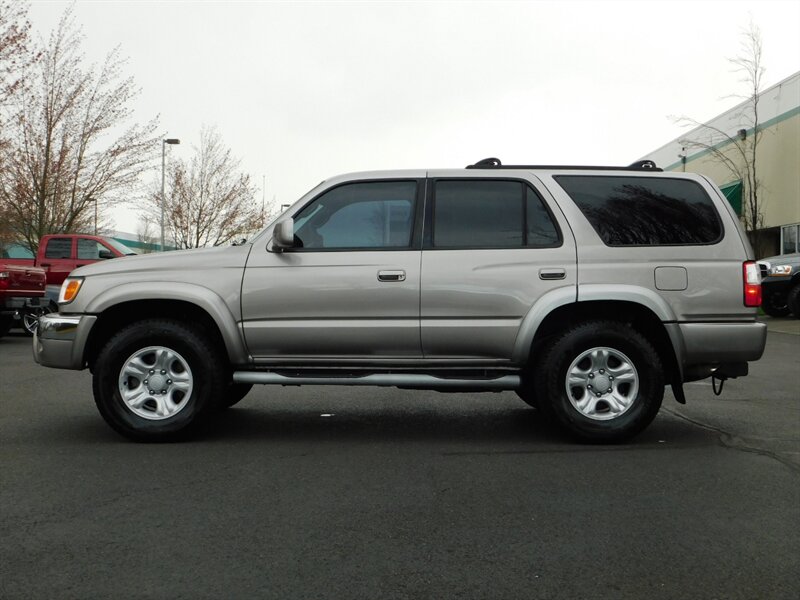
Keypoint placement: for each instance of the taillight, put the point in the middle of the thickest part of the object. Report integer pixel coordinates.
(752, 283)
(4, 278)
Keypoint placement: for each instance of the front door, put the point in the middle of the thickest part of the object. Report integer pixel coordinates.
(351, 285)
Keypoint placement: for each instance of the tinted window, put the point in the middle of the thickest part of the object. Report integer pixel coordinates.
(541, 229)
(58, 248)
(359, 215)
(89, 249)
(490, 214)
(477, 214)
(645, 211)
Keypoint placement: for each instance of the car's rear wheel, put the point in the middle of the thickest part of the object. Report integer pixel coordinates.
(5, 324)
(601, 381)
(30, 316)
(156, 379)
(234, 393)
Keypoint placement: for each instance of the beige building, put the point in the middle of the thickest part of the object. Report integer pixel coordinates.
(705, 150)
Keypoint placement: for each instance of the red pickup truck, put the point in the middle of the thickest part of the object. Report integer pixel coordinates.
(21, 287)
(58, 255)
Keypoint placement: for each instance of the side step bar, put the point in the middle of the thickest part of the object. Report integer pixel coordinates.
(402, 380)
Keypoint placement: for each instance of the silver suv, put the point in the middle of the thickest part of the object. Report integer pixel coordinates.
(585, 290)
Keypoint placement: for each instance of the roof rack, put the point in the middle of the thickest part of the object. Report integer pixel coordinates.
(494, 163)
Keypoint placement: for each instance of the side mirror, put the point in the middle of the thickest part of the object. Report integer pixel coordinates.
(105, 254)
(283, 235)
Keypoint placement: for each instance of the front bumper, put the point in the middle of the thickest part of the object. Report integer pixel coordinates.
(60, 340)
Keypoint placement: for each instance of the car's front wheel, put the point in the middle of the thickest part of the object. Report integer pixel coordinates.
(156, 379)
(601, 381)
(775, 304)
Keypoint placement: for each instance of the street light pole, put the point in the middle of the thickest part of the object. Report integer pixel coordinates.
(163, 177)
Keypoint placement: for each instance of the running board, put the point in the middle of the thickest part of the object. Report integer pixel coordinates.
(402, 380)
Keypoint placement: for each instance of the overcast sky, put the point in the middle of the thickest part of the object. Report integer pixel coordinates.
(304, 91)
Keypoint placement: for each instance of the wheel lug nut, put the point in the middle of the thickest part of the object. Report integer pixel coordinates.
(145, 381)
(591, 375)
(602, 371)
(608, 391)
(610, 378)
(151, 371)
(599, 394)
(163, 392)
(589, 386)
(169, 381)
(151, 391)
(163, 372)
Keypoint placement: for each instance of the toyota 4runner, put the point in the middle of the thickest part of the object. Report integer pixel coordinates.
(585, 290)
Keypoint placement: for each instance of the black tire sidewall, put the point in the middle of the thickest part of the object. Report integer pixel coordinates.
(207, 376)
(776, 304)
(793, 300)
(553, 368)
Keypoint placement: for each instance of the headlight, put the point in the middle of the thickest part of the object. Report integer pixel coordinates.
(69, 289)
(781, 270)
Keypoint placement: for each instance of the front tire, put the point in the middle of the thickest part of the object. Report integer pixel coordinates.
(776, 305)
(793, 300)
(156, 379)
(601, 381)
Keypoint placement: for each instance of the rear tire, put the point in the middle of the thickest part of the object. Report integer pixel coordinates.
(157, 379)
(234, 393)
(5, 324)
(601, 381)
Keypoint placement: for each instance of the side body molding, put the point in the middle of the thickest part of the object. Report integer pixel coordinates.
(198, 295)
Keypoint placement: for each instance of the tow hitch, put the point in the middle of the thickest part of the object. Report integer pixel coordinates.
(727, 371)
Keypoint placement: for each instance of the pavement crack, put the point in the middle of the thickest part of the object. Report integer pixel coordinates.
(735, 442)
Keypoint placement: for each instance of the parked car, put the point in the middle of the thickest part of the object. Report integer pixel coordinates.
(585, 290)
(21, 291)
(58, 255)
(781, 285)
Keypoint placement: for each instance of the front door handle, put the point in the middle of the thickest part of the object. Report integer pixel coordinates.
(391, 275)
(550, 274)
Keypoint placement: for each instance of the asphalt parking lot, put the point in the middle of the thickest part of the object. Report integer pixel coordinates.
(369, 493)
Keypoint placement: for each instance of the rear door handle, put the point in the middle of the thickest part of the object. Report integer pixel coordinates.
(550, 274)
(391, 275)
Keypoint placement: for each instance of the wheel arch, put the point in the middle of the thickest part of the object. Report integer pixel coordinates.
(199, 306)
(643, 318)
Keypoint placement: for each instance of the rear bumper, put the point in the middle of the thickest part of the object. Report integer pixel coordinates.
(60, 340)
(703, 348)
(718, 343)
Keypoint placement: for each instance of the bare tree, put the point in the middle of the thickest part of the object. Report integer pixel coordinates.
(738, 151)
(71, 144)
(146, 233)
(15, 47)
(210, 201)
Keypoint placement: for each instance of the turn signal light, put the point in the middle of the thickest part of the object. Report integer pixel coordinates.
(752, 283)
(69, 290)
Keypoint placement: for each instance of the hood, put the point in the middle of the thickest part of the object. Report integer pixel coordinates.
(175, 260)
(782, 259)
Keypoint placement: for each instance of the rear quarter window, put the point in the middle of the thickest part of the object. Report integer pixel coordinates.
(645, 211)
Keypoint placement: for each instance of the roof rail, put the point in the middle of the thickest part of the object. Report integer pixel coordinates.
(494, 163)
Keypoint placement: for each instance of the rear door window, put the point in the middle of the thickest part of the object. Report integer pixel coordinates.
(645, 211)
(58, 248)
(472, 213)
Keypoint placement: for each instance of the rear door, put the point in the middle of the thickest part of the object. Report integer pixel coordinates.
(492, 247)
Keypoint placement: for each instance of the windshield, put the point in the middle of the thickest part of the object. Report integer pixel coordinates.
(119, 246)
